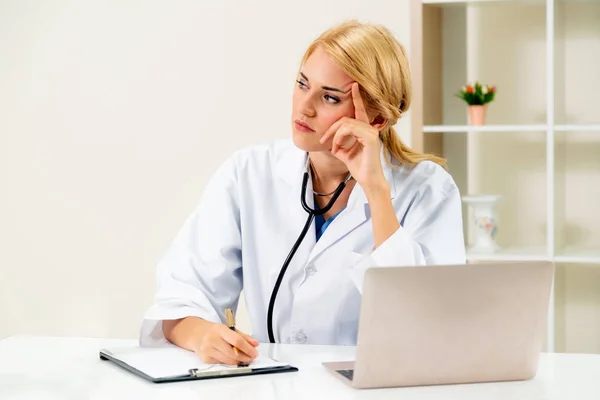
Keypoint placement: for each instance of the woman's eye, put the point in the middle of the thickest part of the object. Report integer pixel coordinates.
(332, 99)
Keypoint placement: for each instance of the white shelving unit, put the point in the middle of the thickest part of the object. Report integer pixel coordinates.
(525, 253)
(483, 128)
(580, 128)
(540, 148)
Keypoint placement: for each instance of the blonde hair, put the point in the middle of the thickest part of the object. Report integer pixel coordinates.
(371, 56)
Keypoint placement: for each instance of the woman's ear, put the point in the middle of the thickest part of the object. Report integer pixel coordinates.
(379, 122)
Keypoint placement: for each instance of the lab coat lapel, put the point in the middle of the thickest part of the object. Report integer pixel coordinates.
(355, 214)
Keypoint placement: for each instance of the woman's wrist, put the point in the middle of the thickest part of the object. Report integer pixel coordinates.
(186, 332)
(377, 190)
(383, 215)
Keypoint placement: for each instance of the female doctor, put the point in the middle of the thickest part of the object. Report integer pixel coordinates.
(397, 207)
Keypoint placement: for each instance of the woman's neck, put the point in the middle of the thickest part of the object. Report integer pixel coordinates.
(327, 172)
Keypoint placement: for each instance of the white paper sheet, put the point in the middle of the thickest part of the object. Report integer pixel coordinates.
(172, 361)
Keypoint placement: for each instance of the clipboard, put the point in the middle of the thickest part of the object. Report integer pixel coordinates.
(174, 364)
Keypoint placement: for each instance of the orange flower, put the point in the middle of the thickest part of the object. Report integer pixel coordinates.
(469, 89)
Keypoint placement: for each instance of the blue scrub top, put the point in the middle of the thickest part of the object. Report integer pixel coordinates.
(320, 223)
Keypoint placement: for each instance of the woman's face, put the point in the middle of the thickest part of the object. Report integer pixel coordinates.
(322, 96)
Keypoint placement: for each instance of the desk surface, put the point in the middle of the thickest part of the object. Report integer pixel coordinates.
(69, 368)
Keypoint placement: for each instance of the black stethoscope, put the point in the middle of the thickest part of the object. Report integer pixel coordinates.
(311, 215)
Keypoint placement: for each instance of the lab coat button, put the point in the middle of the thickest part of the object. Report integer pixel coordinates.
(311, 270)
(301, 337)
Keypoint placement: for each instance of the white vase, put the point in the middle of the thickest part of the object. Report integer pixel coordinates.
(485, 222)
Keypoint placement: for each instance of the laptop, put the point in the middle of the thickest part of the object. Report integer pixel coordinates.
(451, 324)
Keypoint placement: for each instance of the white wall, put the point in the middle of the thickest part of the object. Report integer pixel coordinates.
(113, 115)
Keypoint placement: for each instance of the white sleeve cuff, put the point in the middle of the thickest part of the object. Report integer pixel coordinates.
(398, 250)
(151, 333)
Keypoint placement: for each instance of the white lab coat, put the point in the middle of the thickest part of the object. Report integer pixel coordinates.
(246, 223)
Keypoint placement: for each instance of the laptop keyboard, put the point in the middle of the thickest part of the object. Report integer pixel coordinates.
(348, 373)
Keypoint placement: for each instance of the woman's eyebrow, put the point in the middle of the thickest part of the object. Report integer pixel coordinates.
(331, 89)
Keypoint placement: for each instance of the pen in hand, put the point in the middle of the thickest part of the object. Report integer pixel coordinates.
(230, 321)
(215, 345)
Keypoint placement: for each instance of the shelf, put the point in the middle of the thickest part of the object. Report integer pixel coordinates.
(483, 128)
(578, 256)
(450, 2)
(478, 2)
(594, 2)
(533, 253)
(509, 128)
(569, 255)
(577, 128)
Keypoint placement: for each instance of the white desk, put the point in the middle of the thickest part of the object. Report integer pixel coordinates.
(69, 368)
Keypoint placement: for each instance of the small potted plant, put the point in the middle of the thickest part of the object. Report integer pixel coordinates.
(477, 96)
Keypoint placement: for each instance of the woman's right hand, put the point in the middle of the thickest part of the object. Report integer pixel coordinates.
(217, 344)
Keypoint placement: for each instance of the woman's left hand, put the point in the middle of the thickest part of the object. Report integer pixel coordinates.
(356, 144)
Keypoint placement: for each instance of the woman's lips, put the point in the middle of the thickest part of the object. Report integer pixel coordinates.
(302, 126)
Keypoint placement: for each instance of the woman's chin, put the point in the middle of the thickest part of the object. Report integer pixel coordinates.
(308, 142)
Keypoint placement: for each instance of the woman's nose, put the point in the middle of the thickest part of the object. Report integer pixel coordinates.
(307, 107)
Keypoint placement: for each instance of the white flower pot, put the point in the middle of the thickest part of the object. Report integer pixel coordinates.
(485, 222)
